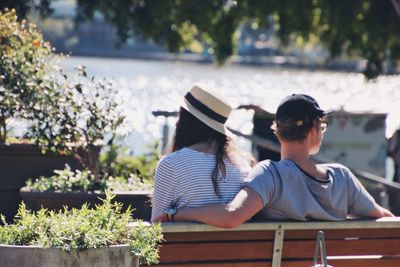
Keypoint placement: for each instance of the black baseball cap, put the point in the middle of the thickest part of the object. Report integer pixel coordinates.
(299, 107)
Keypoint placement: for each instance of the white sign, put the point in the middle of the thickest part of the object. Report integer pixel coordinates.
(356, 140)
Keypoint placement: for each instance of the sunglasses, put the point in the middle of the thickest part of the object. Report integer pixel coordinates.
(323, 124)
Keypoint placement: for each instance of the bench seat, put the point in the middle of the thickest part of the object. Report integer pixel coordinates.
(366, 243)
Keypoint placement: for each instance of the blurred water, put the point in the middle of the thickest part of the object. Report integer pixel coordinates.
(145, 86)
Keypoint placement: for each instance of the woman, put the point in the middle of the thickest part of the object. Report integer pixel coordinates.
(204, 166)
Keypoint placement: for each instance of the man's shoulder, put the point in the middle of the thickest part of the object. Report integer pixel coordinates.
(276, 169)
(337, 169)
(259, 171)
(270, 163)
(264, 163)
(334, 166)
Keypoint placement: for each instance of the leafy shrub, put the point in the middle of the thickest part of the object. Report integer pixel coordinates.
(67, 114)
(79, 229)
(67, 181)
(71, 181)
(117, 163)
(132, 183)
(25, 62)
(75, 118)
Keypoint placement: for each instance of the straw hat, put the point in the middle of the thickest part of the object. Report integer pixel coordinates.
(208, 106)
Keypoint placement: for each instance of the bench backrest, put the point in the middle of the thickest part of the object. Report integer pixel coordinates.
(289, 244)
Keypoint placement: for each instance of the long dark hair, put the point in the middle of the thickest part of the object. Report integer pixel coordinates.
(190, 131)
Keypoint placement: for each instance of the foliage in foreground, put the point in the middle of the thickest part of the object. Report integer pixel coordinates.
(79, 229)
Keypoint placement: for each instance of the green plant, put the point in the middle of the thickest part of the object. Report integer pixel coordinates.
(117, 162)
(68, 114)
(75, 119)
(79, 229)
(67, 181)
(25, 61)
(71, 181)
(130, 183)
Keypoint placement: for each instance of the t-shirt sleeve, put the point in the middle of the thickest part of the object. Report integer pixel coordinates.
(261, 181)
(164, 188)
(361, 203)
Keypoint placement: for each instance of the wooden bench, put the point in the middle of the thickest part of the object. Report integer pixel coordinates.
(287, 244)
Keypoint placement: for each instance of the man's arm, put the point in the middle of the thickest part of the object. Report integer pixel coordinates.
(379, 212)
(360, 200)
(246, 203)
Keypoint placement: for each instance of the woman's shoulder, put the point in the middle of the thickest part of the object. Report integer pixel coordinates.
(171, 161)
(184, 153)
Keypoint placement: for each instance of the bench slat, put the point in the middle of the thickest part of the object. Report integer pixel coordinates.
(298, 263)
(289, 235)
(263, 250)
(228, 264)
(216, 251)
(303, 249)
(343, 233)
(219, 236)
(348, 263)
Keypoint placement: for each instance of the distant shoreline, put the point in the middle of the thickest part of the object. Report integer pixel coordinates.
(245, 60)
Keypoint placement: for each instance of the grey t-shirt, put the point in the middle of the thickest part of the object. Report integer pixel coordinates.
(289, 193)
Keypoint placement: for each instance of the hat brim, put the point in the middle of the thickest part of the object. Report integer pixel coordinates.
(217, 126)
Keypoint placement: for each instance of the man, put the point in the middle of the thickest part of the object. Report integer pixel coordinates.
(294, 188)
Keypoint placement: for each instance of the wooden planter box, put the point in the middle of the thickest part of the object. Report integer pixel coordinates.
(18, 163)
(138, 200)
(34, 256)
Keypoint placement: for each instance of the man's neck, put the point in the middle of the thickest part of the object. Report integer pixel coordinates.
(299, 153)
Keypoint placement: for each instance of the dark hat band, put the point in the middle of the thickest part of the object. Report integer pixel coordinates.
(204, 109)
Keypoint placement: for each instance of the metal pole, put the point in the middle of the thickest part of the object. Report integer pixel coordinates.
(165, 132)
(320, 246)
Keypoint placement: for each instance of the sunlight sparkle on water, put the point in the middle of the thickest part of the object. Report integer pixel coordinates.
(145, 86)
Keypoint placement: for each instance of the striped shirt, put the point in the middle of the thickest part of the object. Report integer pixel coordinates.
(184, 178)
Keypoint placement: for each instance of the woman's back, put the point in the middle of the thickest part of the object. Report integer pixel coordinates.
(183, 178)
